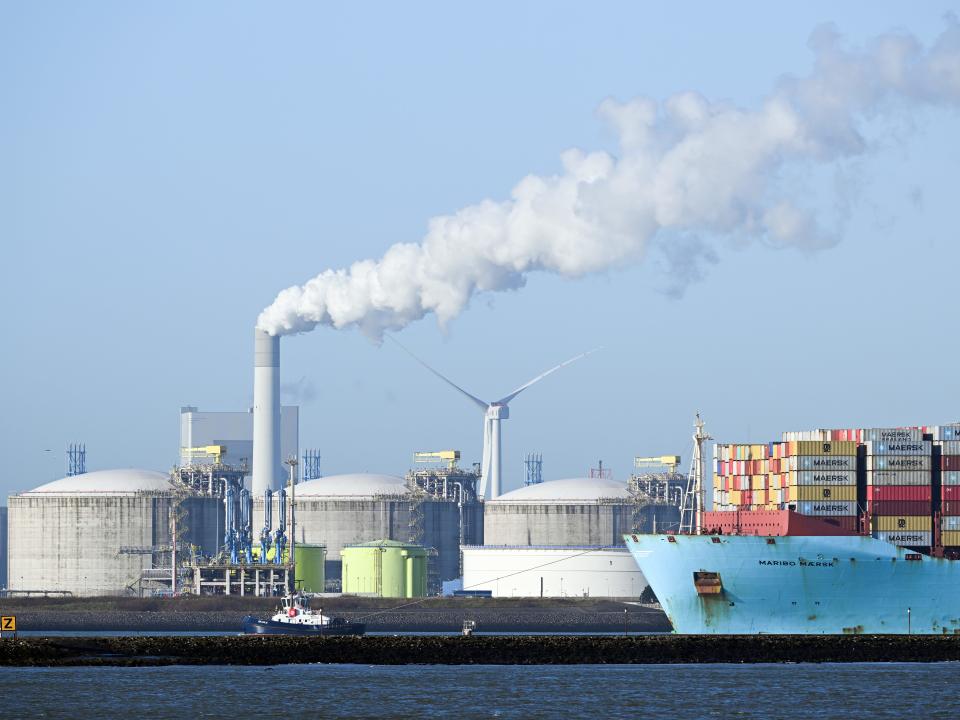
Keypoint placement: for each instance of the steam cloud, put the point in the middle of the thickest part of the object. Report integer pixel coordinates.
(686, 167)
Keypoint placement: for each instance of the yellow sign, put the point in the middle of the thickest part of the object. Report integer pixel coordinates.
(8, 623)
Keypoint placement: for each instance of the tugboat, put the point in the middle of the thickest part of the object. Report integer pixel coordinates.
(297, 618)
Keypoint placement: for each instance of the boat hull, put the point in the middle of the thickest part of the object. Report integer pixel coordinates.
(799, 585)
(255, 626)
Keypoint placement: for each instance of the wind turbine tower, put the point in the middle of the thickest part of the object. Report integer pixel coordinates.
(493, 413)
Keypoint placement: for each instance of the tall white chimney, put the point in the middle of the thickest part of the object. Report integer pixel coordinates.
(266, 413)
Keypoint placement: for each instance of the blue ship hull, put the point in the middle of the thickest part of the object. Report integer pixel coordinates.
(799, 585)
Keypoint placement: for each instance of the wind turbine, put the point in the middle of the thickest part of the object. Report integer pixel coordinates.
(493, 413)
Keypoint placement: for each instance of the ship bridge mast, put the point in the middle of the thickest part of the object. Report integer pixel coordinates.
(691, 512)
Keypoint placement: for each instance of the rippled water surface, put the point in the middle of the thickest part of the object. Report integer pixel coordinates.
(599, 691)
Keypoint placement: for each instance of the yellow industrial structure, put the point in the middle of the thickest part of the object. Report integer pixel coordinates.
(213, 452)
(450, 457)
(386, 568)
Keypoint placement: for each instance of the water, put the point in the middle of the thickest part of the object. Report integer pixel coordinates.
(431, 691)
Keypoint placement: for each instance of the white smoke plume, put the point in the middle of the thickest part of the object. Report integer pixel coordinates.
(685, 167)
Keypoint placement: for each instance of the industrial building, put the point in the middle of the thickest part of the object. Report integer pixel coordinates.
(234, 430)
(539, 571)
(586, 512)
(341, 510)
(103, 533)
(3, 547)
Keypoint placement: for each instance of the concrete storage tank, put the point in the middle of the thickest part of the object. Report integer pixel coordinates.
(386, 568)
(341, 510)
(95, 533)
(576, 511)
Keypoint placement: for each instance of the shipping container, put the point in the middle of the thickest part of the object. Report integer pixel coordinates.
(947, 432)
(891, 435)
(950, 539)
(898, 462)
(892, 523)
(909, 447)
(950, 492)
(950, 478)
(901, 493)
(898, 477)
(950, 462)
(950, 507)
(906, 538)
(950, 447)
(815, 462)
(816, 477)
(950, 522)
(899, 508)
(827, 507)
(813, 447)
(826, 492)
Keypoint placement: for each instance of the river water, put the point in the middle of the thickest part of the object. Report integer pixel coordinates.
(849, 691)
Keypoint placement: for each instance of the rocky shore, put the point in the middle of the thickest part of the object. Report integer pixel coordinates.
(498, 650)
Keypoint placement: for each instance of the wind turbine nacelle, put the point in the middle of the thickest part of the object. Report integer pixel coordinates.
(498, 412)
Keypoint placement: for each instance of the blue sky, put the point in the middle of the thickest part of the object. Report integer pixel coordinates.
(165, 169)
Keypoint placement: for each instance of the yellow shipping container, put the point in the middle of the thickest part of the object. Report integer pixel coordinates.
(825, 492)
(890, 523)
(758, 482)
(789, 494)
(733, 497)
(815, 447)
(951, 538)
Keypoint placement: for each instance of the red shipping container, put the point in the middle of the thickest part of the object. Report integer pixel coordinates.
(746, 497)
(950, 492)
(845, 522)
(950, 507)
(903, 507)
(881, 493)
(950, 462)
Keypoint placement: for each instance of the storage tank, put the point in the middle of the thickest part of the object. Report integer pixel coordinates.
(385, 568)
(540, 571)
(341, 510)
(310, 567)
(575, 511)
(94, 533)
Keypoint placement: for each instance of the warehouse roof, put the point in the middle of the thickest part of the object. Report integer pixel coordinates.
(353, 486)
(124, 480)
(568, 491)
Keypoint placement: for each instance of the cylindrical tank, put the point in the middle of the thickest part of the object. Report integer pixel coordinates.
(386, 568)
(341, 510)
(575, 512)
(310, 561)
(94, 534)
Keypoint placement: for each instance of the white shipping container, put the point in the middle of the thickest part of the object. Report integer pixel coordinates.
(826, 477)
(909, 538)
(950, 447)
(898, 477)
(892, 435)
(950, 477)
(950, 522)
(827, 507)
(823, 462)
(906, 447)
(794, 436)
(898, 462)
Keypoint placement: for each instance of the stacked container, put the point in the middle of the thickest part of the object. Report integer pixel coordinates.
(819, 478)
(741, 477)
(950, 487)
(899, 485)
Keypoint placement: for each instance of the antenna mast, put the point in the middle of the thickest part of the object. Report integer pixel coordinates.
(691, 514)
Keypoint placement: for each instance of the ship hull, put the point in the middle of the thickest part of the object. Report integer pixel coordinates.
(799, 585)
(255, 626)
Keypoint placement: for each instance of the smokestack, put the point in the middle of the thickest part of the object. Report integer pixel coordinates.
(266, 412)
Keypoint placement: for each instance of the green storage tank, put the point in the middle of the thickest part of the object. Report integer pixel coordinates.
(310, 576)
(387, 568)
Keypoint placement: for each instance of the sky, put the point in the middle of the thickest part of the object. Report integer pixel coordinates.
(167, 169)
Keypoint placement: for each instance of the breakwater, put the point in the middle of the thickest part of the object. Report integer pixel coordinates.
(490, 650)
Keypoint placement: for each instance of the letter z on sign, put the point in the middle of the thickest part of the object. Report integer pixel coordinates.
(8, 623)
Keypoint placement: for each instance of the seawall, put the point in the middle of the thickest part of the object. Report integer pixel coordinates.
(494, 650)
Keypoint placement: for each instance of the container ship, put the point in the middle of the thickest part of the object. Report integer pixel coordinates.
(827, 531)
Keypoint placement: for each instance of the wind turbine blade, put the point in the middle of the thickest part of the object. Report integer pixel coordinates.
(541, 376)
(480, 403)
